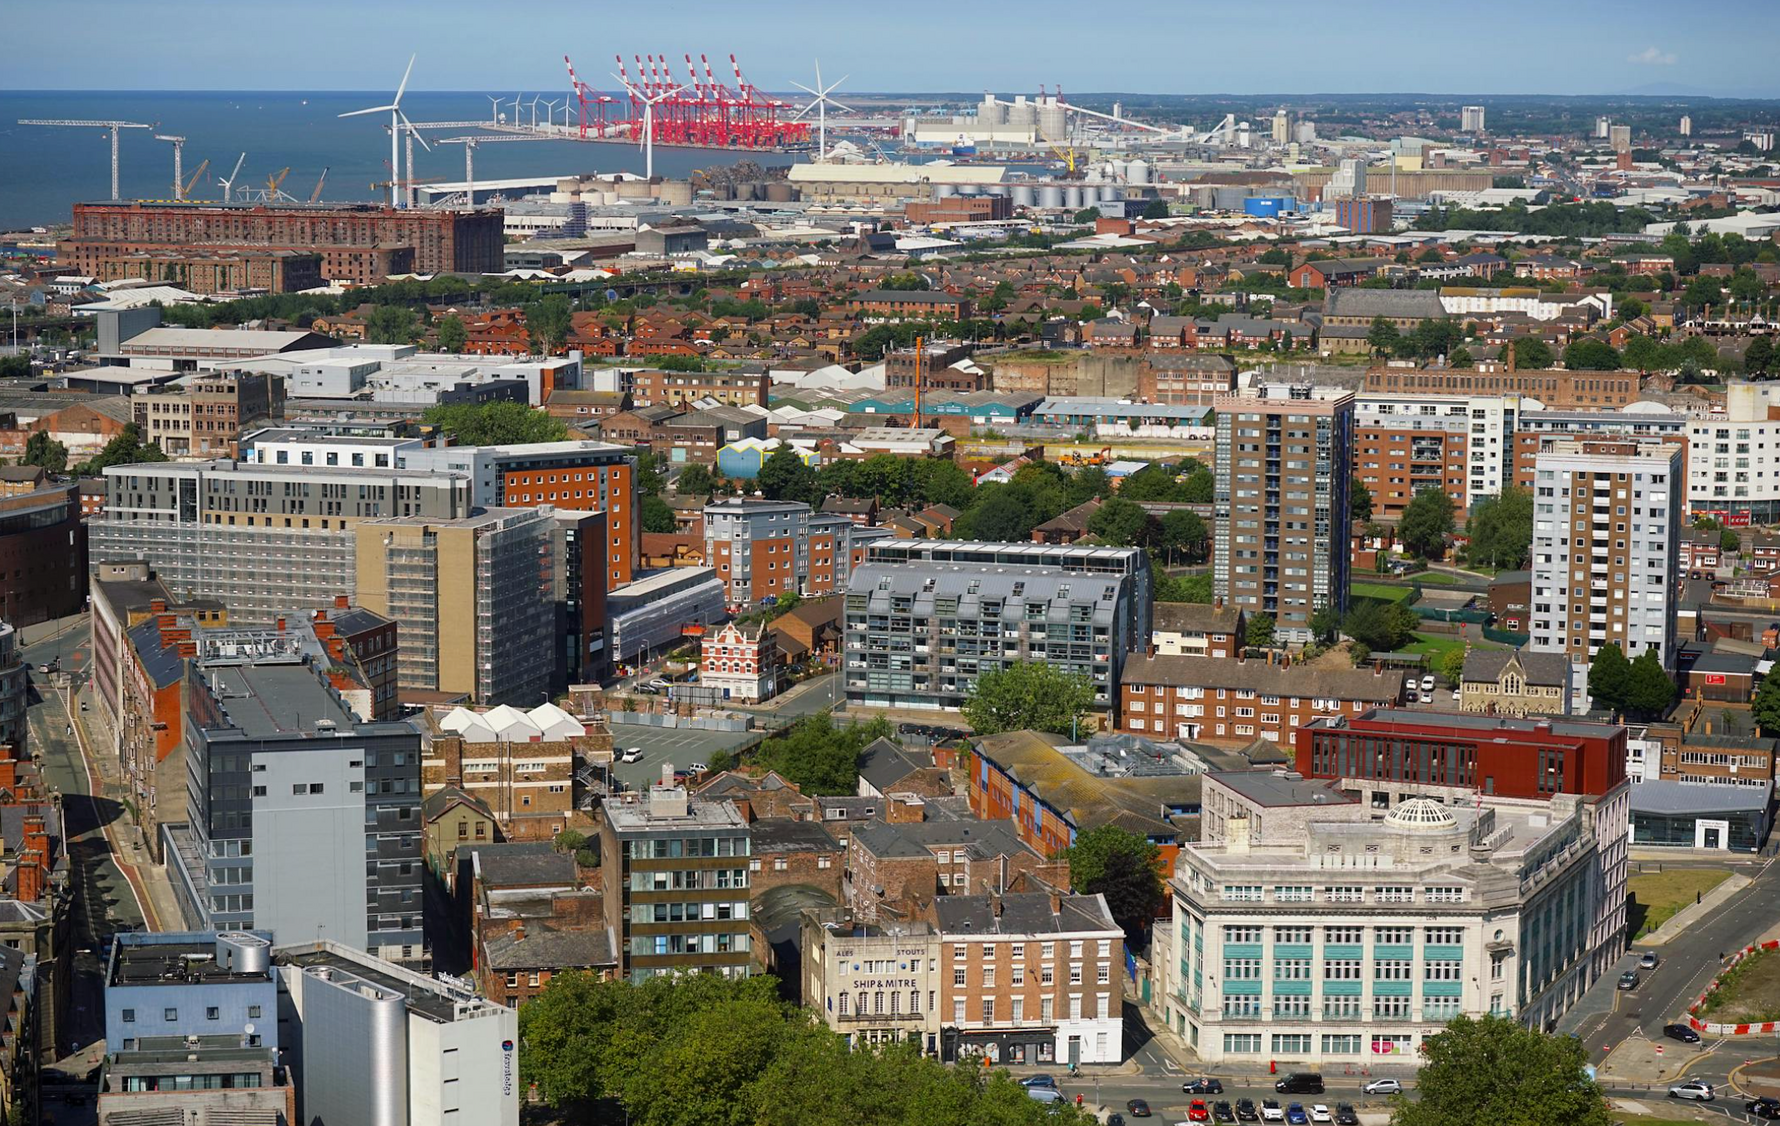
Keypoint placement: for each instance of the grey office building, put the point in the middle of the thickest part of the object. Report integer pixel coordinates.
(302, 821)
(260, 538)
(918, 634)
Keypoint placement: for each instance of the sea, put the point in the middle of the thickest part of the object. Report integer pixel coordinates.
(44, 171)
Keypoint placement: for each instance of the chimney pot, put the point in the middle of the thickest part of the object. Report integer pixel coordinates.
(341, 602)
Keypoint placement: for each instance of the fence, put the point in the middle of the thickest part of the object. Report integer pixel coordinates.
(1506, 637)
(698, 722)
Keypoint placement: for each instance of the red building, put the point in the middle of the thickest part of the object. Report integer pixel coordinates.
(1386, 749)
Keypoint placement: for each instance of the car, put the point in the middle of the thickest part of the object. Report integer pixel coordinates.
(1648, 961)
(1409, 696)
(1428, 683)
(1384, 1087)
(1223, 1112)
(1295, 1115)
(631, 754)
(1345, 1116)
(1045, 1094)
(1455, 695)
(696, 768)
(1629, 979)
(1270, 1111)
(75, 1098)
(1202, 1086)
(1320, 1113)
(1766, 1107)
(1246, 1112)
(1040, 1081)
(1197, 1111)
(1300, 1083)
(658, 684)
(644, 690)
(1115, 1119)
(1697, 1090)
(1137, 1108)
(1682, 1033)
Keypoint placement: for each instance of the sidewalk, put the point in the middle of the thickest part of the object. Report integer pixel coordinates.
(1694, 912)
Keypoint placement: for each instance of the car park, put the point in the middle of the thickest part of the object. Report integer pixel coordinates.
(1197, 1111)
(1648, 961)
(1767, 1107)
(1681, 1032)
(1629, 979)
(1137, 1108)
(1246, 1112)
(1202, 1086)
(1345, 1115)
(1296, 1116)
(1384, 1087)
(1223, 1112)
(1320, 1113)
(1697, 1090)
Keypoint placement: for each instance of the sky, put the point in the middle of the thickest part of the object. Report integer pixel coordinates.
(1145, 46)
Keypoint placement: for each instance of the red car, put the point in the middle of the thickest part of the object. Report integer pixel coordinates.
(1198, 1112)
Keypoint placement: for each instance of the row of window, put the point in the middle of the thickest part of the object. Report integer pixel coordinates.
(1344, 935)
(1046, 975)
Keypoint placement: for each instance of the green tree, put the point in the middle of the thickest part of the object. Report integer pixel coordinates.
(820, 757)
(548, 323)
(1730, 542)
(1000, 514)
(1198, 487)
(1532, 354)
(1493, 1069)
(721, 761)
(1452, 666)
(16, 366)
(1501, 529)
(1460, 357)
(1183, 533)
(1766, 706)
(1650, 690)
(1589, 354)
(392, 324)
(1610, 678)
(452, 334)
(1261, 627)
(1359, 500)
(1156, 209)
(1278, 256)
(1384, 337)
(1380, 626)
(125, 449)
(1087, 215)
(1426, 523)
(784, 475)
(1039, 697)
(1187, 588)
(1758, 358)
(495, 424)
(1121, 523)
(657, 517)
(695, 481)
(44, 451)
(1325, 624)
(1123, 867)
(1643, 354)
(946, 483)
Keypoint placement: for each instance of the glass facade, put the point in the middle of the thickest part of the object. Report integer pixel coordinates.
(1742, 831)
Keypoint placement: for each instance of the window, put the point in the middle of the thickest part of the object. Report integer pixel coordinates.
(1343, 935)
(1341, 1045)
(1103, 973)
(1293, 894)
(129, 1016)
(1046, 975)
(1397, 1007)
(1441, 971)
(1291, 1043)
(1390, 969)
(957, 1012)
(1291, 969)
(1242, 1043)
(1445, 936)
(1045, 1008)
(1292, 936)
(1242, 936)
(988, 1010)
(169, 1014)
(988, 977)
(1242, 969)
(958, 976)
(1075, 973)
(1019, 1010)
(253, 1012)
(211, 1012)
(1396, 936)
(1341, 969)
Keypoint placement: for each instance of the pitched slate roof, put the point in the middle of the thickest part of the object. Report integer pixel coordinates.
(1544, 669)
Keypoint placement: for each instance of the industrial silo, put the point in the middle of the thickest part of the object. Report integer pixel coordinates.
(1025, 195)
(674, 193)
(780, 191)
(1137, 172)
(1053, 123)
(1072, 197)
(944, 191)
(1050, 196)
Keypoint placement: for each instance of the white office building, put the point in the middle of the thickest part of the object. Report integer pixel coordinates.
(1313, 929)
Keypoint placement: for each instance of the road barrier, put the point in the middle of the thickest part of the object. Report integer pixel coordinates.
(1760, 1028)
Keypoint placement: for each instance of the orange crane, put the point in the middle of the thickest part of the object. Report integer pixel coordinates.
(316, 194)
(196, 176)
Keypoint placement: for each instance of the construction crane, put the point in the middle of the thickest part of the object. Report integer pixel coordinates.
(228, 185)
(316, 194)
(113, 126)
(178, 168)
(1066, 155)
(196, 176)
(469, 144)
(274, 181)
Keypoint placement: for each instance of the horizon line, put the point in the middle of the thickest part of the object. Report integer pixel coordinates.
(948, 94)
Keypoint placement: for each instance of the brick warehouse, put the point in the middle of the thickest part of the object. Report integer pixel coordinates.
(355, 241)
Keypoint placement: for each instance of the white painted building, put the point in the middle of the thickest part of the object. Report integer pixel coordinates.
(1733, 461)
(1310, 928)
(1463, 301)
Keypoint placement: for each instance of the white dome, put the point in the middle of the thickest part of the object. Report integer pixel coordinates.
(1421, 815)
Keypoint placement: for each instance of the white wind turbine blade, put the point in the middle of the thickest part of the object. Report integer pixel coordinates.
(399, 89)
(413, 132)
(373, 109)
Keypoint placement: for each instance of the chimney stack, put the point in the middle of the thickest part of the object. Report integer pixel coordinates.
(341, 602)
(1056, 903)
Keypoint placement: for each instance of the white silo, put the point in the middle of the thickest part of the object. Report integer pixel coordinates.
(1137, 172)
(1050, 196)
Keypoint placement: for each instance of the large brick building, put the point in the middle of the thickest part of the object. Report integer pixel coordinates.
(357, 242)
(1558, 389)
(766, 548)
(1223, 701)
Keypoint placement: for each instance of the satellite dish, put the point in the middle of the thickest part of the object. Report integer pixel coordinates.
(247, 1028)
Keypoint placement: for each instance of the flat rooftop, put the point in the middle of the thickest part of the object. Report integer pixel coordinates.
(175, 963)
(643, 816)
(1266, 788)
(267, 700)
(425, 998)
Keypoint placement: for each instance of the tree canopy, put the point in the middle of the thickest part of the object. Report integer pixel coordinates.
(1609, 678)
(1122, 866)
(495, 424)
(1121, 523)
(1426, 522)
(1041, 697)
(452, 334)
(1359, 500)
(42, 450)
(820, 756)
(1492, 1069)
(127, 448)
(1501, 530)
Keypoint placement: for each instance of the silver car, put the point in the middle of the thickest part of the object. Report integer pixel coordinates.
(1384, 1087)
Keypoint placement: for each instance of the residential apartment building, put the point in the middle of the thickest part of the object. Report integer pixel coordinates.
(917, 635)
(1487, 423)
(679, 388)
(1533, 428)
(382, 1045)
(1733, 470)
(870, 981)
(677, 884)
(43, 554)
(740, 661)
(204, 416)
(1309, 932)
(1195, 629)
(1606, 535)
(766, 548)
(1396, 459)
(1030, 978)
(473, 599)
(301, 819)
(1210, 699)
(1284, 457)
(262, 539)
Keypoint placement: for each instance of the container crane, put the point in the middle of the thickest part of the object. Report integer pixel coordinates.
(112, 126)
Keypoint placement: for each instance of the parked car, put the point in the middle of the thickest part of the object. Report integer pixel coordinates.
(1648, 961)
(1682, 1033)
(1115, 1119)
(1040, 1081)
(631, 754)
(1384, 1087)
(1045, 1094)
(1320, 1113)
(1766, 1107)
(1300, 1083)
(1246, 1112)
(1197, 1111)
(1409, 696)
(1455, 695)
(1202, 1086)
(1697, 1090)
(1223, 1112)
(1137, 1108)
(1296, 1116)
(1271, 1112)
(1428, 683)
(1629, 979)
(1345, 1116)
(696, 768)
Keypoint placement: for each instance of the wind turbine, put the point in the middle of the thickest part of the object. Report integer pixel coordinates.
(516, 98)
(821, 104)
(494, 108)
(397, 119)
(228, 185)
(647, 143)
(536, 99)
(550, 112)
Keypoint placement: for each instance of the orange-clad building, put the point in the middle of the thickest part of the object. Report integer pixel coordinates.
(768, 548)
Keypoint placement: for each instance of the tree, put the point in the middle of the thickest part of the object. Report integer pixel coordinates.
(1610, 678)
(820, 757)
(125, 449)
(1123, 867)
(1325, 623)
(1501, 529)
(1198, 487)
(999, 516)
(1182, 532)
(495, 424)
(657, 517)
(1278, 256)
(1087, 215)
(784, 475)
(1758, 358)
(1493, 1069)
(1187, 588)
(1452, 666)
(1359, 500)
(1039, 697)
(452, 334)
(1589, 354)
(1531, 353)
(1643, 354)
(1121, 523)
(1766, 706)
(16, 366)
(1649, 690)
(1730, 542)
(695, 481)
(548, 323)
(1380, 626)
(1460, 357)
(1384, 337)
(391, 324)
(1630, 308)
(1425, 523)
(721, 761)
(44, 451)
(1260, 631)
(1156, 209)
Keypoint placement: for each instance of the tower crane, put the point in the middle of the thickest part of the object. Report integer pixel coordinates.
(228, 185)
(178, 167)
(113, 126)
(469, 143)
(274, 181)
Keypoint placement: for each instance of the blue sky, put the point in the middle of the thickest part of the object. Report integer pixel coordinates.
(1188, 46)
